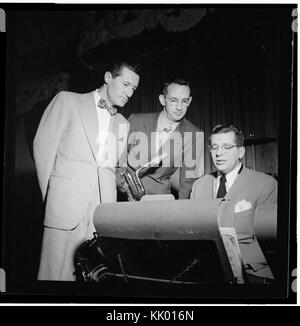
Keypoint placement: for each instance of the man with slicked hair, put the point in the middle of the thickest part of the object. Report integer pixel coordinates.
(80, 140)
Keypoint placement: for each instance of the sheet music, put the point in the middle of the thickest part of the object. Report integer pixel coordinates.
(231, 245)
(156, 160)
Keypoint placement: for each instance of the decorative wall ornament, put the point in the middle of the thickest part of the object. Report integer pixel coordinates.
(39, 90)
(186, 19)
(100, 27)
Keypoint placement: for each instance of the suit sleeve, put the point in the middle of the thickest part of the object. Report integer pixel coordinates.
(266, 211)
(193, 162)
(48, 136)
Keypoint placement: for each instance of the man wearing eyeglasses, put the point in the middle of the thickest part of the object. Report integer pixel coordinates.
(169, 141)
(250, 197)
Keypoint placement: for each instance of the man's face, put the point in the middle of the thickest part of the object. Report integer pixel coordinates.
(121, 88)
(176, 102)
(226, 160)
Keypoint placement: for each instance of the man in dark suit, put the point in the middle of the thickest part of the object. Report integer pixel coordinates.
(168, 136)
(250, 197)
(80, 140)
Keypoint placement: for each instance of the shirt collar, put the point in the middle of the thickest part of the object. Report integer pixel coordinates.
(231, 176)
(96, 97)
(163, 122)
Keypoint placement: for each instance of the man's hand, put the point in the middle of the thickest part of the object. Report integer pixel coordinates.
(121, 183)
(129, 183)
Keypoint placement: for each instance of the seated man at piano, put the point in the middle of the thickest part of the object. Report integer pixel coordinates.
(249, 197)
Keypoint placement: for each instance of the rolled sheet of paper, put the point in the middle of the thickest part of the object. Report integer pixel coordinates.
(174, 235)
(158, 197)
(159, 220)
(265, 223)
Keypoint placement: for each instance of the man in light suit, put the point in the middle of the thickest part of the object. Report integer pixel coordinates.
(78, 144)
(172, 138)
(250, 197)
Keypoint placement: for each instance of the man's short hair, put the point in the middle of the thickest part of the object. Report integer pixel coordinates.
(178, 81)
(116, 67)
(224, 128)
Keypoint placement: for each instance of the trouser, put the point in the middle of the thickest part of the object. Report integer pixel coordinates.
(59, 246)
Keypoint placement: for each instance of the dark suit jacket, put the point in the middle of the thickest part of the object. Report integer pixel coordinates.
(184, 154)
(251, 203)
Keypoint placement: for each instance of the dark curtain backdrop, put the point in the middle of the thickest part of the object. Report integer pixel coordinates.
(235, 78)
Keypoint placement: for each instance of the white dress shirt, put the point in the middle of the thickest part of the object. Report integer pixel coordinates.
(162, 135)
(103, 127)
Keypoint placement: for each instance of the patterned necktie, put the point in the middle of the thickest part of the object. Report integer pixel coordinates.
(222, 187)
(103, 105)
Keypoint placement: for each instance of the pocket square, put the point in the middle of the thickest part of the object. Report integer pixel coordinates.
(242, 205)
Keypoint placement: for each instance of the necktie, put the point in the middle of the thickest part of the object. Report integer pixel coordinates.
(222, 187)
(163, 136)
(103, 105)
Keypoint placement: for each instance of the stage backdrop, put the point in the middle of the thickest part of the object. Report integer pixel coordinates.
(235, 77)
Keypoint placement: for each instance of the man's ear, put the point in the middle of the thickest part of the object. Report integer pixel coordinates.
(162, 100)
(190, 100)
(107, 77)
(241, 152)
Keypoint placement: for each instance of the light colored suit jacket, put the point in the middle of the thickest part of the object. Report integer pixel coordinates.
(251, 199)
(65, 152)
(184, 156)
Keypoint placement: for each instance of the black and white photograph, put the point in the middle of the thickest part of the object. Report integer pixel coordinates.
(149, 153)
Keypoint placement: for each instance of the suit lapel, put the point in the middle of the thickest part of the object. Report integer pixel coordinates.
(237, 185)
(88, 115)
(226, 215)
(210, 187)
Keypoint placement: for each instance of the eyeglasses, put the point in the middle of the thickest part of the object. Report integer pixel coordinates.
(225, 148)
(174, 102)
